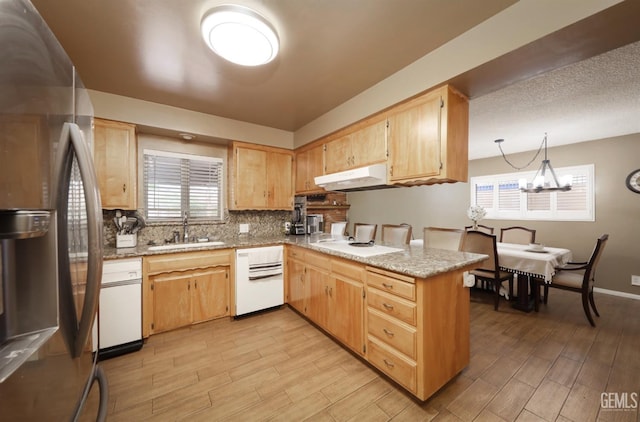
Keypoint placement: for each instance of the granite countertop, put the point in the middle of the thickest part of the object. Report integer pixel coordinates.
(412, 260)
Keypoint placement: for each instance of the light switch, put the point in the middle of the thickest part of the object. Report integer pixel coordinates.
(244, 228)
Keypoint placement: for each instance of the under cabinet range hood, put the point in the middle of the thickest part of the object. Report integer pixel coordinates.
(369, 177)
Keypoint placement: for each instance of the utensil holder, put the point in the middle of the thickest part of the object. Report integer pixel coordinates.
(126, 240)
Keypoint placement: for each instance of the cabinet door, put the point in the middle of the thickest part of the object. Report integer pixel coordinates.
(210, 294)
(171, 301)
(309, 164)
(369, 145)
(280, 180)
(298, 286)
(250, 188)
(338, 155)
(317, 308)
(115, 161)
(414, 140)
(346, 312)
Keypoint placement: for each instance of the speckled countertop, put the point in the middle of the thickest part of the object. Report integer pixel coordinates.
(414, 261)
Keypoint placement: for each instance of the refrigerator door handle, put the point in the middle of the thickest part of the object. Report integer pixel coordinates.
(78, 332)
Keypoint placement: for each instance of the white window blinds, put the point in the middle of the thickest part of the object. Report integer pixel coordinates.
(177, 183)
(500, 195)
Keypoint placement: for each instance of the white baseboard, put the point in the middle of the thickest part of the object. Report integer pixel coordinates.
(616, 293)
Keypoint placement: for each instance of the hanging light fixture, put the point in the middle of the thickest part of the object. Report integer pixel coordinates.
(240, 35)
(545, 179)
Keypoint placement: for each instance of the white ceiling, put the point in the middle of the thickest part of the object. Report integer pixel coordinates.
(333, 50)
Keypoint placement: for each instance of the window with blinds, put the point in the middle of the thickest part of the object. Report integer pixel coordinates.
(500, 195)
(177, 183)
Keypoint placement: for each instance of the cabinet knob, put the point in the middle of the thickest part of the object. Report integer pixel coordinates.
(388, 306)
(388, 333)
(389, 363)
(124, 187)
(387, 286)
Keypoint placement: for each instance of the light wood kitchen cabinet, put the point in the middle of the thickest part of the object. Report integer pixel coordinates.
(180, 289)
(362, 145)
(210, 294)
(428, 139)
(172, 301)
(309, 164)
(115, 159)
(415, 330)
(261, 178)
(346, 304)
(298, 292)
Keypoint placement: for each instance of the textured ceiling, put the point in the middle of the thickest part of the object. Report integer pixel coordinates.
(592, 99)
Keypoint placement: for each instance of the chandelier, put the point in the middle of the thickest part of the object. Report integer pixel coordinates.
(545, 179)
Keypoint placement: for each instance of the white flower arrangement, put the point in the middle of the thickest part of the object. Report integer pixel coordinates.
(476, 213)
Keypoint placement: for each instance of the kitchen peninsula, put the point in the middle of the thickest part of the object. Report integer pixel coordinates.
(405, 312)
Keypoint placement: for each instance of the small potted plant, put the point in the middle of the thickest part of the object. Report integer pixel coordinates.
(476, 213)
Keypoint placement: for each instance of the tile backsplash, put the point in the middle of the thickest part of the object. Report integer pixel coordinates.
(261, 223)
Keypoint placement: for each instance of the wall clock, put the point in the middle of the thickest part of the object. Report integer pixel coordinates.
(633, 181)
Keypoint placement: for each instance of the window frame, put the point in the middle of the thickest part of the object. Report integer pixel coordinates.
(493, 182)
(184, 186)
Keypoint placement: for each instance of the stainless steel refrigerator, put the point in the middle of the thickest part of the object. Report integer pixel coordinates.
(50, 229)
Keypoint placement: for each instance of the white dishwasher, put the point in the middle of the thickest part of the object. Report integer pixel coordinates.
(259, 279)
(120, 309)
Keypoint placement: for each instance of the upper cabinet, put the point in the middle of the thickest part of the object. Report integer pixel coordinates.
(428, 139)
(260, 178)
(309, 164)
(363, 144)
(115, 159)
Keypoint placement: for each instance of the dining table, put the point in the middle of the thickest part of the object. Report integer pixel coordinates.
(530, 263)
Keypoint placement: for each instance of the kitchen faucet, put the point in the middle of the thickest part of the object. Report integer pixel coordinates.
(185, 227)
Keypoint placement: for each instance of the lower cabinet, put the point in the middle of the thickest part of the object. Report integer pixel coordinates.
(330, 292)
(416, 331)
(185, 288)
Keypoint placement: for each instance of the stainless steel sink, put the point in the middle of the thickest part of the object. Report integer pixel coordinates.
(171, 246)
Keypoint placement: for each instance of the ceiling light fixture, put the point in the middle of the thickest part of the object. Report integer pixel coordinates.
(240, 35)
(541, 183)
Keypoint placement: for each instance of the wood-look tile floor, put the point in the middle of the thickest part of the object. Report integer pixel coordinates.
(549, 366)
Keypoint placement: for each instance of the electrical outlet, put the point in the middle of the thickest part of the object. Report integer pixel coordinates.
(635, 280)
(244, 228)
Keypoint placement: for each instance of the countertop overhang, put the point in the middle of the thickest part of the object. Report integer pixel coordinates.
(414, 261)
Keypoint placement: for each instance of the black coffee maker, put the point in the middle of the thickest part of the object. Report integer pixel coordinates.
(297, 220)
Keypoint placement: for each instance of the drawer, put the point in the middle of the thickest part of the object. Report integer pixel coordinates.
(349, 270)
(392, 285)
(393, 306)
(317, 260)
(294, 252)
(396, 366)
(396, 334)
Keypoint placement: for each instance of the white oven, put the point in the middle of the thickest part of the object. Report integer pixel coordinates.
(259, 279)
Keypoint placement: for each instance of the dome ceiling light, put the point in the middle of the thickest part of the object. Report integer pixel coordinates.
(240, 35)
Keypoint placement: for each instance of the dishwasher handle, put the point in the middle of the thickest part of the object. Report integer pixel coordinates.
(121, 283)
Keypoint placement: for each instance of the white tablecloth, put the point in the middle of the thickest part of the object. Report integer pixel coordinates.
(520, 260)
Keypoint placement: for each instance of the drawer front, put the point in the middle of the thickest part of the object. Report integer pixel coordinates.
(401, 369)
(295, 253)
(390, 305)
(352, 271)
(317, 260)
(392, 332)
(183, 261)
(392, 285)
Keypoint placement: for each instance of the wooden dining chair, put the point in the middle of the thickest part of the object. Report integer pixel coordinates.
(517, 234)
(364, 232)
(578, 277)
(483, 243)
(396, 234)
(481, 228)
(442, 238)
